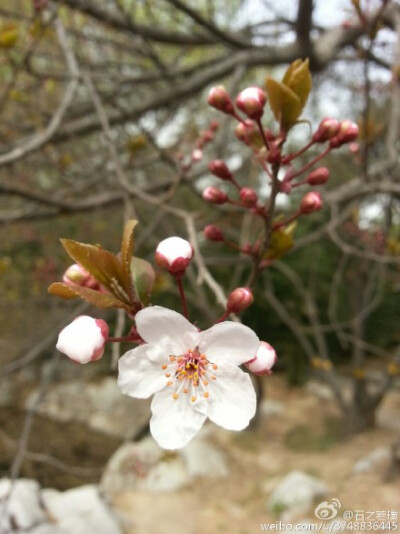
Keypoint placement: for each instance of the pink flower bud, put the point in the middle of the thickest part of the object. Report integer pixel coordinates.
(348, 132)
(213, 233)
(354, 148)
(76, 275)
(197, 154)
(248, 197)
(327, 129)
(83, 340)
(174, 254)
(310, 202)
(252, 101)
(220, 169)
(319, 176)
(213, 195)
(240, 299)
(263, 361)
(208, 136)
(219, 98)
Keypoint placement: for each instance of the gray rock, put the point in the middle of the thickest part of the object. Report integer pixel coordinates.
(100, 405)
(271, 408)
(80, 511)
(21, 508)
(296, 493)
(145, 466)
(376, 457)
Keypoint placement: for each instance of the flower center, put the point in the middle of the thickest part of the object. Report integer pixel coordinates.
(190, 374)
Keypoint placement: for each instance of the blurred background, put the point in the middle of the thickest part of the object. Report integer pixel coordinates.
(103, 111)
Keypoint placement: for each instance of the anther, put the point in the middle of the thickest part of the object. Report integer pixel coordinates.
(206, 394)
(215, 366)
(167, 375)
(164, 366)
(193, 398)
(175, 395)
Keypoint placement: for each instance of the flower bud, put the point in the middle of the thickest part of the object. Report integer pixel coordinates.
(263, 361)
(214, 125)
(219, 98)
(240, 299)
(310, 202)
(174, 254)
(213, 233)
(83, 340)
(248, 133)
(213, 195)
(197, 154)
(248, 197)
(252, 101)
(319, 176)
(76, 275)
(220, 169)
(327, 129)
(348, 132)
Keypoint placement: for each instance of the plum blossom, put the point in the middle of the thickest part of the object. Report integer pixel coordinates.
(83, 340)
(263, 361)
(192, 375)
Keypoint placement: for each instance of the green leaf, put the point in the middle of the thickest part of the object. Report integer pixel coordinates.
(281, 241)
(127, 246)
(104, 266)
(284, 103)
(96, 298)
(143, 277)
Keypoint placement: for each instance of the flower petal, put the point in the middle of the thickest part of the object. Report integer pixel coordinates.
(140, 373)
(232, 400)
(175, 421)
(229, 342)
(167, 328)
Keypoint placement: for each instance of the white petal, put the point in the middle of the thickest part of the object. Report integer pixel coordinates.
(232, 400)
(140, 373)
(229, 342)
(175, 247)
(175, 421)
(167, 328)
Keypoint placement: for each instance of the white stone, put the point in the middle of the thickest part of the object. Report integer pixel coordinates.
(80, 511)
(22, 508)
(295, 493)
(375, 457)
(204, 459)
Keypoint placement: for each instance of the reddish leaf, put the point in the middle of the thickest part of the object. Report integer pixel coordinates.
(127, 246)
(96, 298)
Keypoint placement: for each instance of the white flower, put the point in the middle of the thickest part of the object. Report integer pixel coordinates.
(174, 254)
(263, 361)
(194, 375)
(83, 340)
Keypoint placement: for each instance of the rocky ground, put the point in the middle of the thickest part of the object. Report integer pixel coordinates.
(222, 482)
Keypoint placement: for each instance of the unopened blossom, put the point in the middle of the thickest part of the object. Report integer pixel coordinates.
(263, 361)
(311, 202)
(213, 195)
(252, 101)
(219, 98)
(76, 275)
(174, 254)
(319, 176)
(213, 233)
(193, 375)
(83, 340)
(327, 129)
(240, 299)
(248, 197)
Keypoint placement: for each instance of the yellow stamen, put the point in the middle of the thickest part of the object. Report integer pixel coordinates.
(193, 398)
(206, 395)
(175, 395)
(169, 383)
(164, 366)
(215, 366)
(167, 375)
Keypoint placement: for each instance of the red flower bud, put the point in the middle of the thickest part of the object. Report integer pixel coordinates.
(214, 125)
(248, 197)
(319, 176)
(252, 101)
(213, 195)
(310, 202)
(240, 299)
(219, 98)
(76, 275)
(220, 169)
(327, 129)
(213, 233)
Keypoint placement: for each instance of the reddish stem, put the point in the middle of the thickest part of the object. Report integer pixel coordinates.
(312, 162)
(290, 157)
(182, 295)
(258, 121)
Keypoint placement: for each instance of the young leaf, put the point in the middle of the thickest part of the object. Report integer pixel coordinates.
(143, 277)
(126, 256)
(284, 103)
(104, 266)
(96, 298)
(281, 241)
(298, 79)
